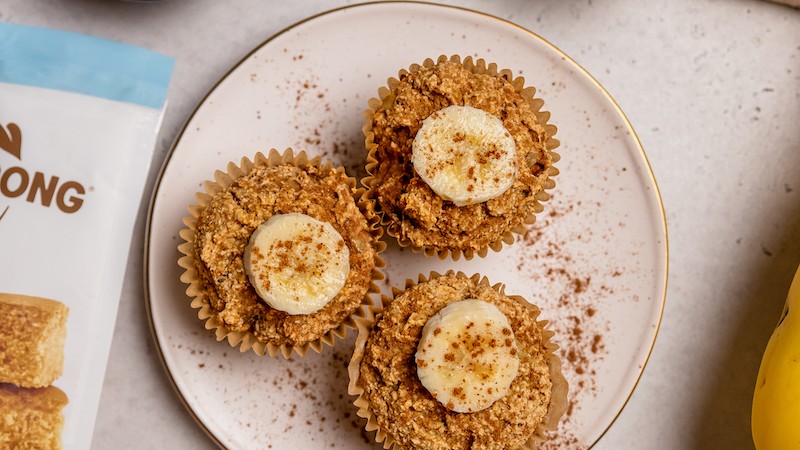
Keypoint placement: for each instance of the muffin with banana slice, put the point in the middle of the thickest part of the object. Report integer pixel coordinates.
(452, 362)
(459, 156)
(281, 254)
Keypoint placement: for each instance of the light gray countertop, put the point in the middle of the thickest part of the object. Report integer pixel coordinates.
(712, 88)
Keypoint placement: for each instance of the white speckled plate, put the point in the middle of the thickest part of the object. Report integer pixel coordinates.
(595, 261)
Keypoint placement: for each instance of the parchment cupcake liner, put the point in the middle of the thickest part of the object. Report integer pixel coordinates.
(559, 390)
(477, 67)
(246, 340)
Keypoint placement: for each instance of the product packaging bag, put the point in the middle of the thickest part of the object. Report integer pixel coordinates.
(78, 122)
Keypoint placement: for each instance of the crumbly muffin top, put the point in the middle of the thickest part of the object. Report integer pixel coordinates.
(424, 218)
(223, 231)
(409, 413)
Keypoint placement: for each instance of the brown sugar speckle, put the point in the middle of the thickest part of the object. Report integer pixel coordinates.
(548, 258)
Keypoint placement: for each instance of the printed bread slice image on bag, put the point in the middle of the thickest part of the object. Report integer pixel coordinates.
(79, 117)
(32, 335)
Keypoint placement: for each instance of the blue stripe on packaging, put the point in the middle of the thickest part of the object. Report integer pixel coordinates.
(78, 63)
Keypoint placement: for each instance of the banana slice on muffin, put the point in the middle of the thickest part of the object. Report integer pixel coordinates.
(296, 263)
(467, 356)
(465, 155)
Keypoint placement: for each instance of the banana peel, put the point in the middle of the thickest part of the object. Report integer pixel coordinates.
(776, 401)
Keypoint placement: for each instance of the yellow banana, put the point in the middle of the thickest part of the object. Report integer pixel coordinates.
(776, 401)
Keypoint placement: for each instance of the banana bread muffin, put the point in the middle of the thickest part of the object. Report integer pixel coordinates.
(459, 156)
